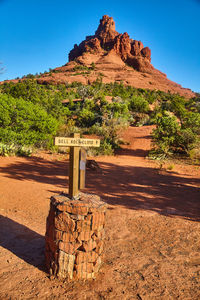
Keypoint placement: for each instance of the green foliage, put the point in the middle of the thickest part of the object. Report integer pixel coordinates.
(86, 118)
(194, 104)
(192, 120)
(171, 137)
(80, 68)
(30, 76)
(23, 123)
(165, 134)
(9, 150)
(105, 148)
(32, 114)
(186, 140)
(93, 66)
(6, 150)
(138, 104)
(194, 154)
(48, 97)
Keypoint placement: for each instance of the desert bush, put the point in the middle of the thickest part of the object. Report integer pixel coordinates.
(30, 76)
(105, 148)
(93, 66)
(80, 68)
(138, 104)
(192, 120)
(46, 96)
(185, 141)
(6, 150)
(68, 128)
(23, 123)
(11, 149)
(194, 154)
(140, 119)
(171, 137)
(194, 104)
(165, 134)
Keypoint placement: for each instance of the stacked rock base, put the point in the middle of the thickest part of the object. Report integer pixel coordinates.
(74, 236)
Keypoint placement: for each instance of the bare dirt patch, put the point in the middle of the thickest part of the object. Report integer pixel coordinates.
(152, 248)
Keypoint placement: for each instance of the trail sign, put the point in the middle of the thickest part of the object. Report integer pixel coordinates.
(76, 142)
(77, 160)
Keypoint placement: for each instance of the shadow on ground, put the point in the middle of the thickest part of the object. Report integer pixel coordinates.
(130, 186)
(23, 242)
(39, 170)
(147, 188)
(132, 152)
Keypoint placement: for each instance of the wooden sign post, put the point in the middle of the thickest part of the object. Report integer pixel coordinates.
(77, 162)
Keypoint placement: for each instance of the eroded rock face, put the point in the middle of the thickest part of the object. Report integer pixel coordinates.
(106, 30)
(106, 38)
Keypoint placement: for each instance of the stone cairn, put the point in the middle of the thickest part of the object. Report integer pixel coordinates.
(74, 236)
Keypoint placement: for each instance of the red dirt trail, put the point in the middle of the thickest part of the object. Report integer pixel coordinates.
(152, 246)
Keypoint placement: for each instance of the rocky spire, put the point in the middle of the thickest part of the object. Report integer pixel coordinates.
(106, 38)
(106, 29)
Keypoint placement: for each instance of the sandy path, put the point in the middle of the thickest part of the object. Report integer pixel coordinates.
(152, 248)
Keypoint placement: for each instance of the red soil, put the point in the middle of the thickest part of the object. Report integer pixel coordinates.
(152, 248)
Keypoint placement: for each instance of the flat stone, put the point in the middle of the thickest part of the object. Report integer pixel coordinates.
(85, 235)
(69, 237)
(64, 222)
(66, 265)
(69, 248)
(82, 257)
(84, 225)
(85, 203)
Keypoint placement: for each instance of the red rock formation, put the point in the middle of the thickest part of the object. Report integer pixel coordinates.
(117, 57)
(136, 47)
(106, 38)
(146, 52)
(106, 30)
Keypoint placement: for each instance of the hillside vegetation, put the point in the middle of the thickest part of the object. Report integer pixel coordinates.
(31, 115)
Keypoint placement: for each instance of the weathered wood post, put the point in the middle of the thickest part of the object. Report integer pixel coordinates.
(75, 224)
(74, 169)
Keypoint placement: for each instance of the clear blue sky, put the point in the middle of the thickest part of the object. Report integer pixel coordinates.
(36, 35)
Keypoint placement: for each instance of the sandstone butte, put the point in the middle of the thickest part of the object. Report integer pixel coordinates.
(113, 57)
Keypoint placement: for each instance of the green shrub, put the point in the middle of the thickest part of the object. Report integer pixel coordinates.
(9, 150)
(93, 66)
(164, 136)
(23, 123)
(194, 154)
(170, 137)
(46, 96)
(138, 104)
(6, 150)
(104, 149)
(186, 140)
(86, 118)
